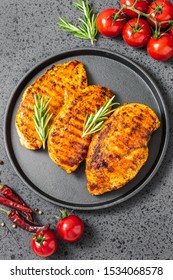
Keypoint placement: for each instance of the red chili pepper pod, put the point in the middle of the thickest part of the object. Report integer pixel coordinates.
(15, 205)
(21, 222)
(11, 194)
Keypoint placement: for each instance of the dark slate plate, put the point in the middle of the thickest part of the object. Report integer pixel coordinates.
(131, 84)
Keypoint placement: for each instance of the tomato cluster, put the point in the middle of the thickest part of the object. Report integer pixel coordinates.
(69, 228)
(141, 24)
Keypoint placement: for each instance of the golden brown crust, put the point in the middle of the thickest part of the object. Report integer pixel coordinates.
(119, 150)
(59, 82)
(65, 145)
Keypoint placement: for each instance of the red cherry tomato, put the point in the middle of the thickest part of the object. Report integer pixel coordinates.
(110, 23)
(70, 228)
(44, 243)
(161, 48)
(140, 5)
(136, 33)
(160, 11)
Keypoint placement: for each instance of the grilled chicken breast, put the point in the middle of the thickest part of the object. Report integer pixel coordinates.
(58, 83)
(119, 150)
(66, 147)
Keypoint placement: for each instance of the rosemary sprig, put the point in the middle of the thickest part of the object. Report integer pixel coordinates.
(42, 118)
(87, 29)
(93, 123)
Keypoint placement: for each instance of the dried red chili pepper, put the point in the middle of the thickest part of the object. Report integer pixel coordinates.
(11, 194)
(21, 222)
(15, 205)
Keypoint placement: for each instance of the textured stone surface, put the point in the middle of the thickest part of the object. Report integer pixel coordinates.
(140, 228)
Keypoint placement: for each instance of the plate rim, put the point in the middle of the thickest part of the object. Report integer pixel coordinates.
(70, 53)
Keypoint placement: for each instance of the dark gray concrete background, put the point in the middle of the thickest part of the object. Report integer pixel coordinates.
(140, 228)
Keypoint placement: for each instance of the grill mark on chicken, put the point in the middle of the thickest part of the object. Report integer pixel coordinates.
(59, 83)
(119, 150)
(65, 145)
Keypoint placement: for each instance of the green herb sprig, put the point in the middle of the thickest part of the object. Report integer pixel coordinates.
(42, 118)
(87, 29)
(93, 123)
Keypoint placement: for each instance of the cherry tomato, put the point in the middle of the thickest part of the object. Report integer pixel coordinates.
(160, 11)
(136, 33)
(110, 22)
(140, 5)
(161, 48)
(70, 227)
(44, 243)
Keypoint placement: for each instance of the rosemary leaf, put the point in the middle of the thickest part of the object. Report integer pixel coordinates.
(41, 118)
(93, 123)
(87, 27)
(96, 127)
(89, 121)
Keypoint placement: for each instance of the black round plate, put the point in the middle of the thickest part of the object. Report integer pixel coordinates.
(130, 84)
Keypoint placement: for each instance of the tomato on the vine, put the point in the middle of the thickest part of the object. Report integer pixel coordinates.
(136, 32)
(44, 243)
(70, 227)
(161, 48)
(110, 22)
(140, 5)
(160, 11)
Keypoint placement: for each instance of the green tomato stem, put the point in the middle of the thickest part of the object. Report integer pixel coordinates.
(134, 3)
(157, 24)
(132, 8)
